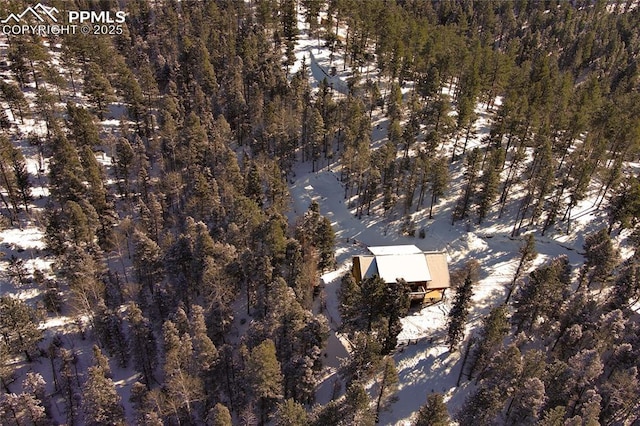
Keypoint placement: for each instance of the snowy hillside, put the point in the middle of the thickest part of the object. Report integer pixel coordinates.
(181, 200)
(424, 362)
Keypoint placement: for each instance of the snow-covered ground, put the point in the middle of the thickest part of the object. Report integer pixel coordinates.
(424, 363)
(26, 241)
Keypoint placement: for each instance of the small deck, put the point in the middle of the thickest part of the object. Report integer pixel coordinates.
(418, 294)
(424, 295)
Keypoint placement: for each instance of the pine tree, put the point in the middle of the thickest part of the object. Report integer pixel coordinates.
(13, 96)
(132, 93)
(178, 262)
(527, 255)
(19, 326)
(100, 360)
(471, 173)
(542, 294)
(590, 410)
(253, 188)
(527, 402)
(17, 56)
(152, 217)
(108, 328)
(387, 386)
(32, 52)
(315, 134)
(204, 351)
(83, 128)
(624, 207)
(8, 181)
(516, 159)
(497, 384)
(465, 120)
(494, 329)
(433, 413)
(65, 171)
(47, 109)
(553, 417)
(183, 389)
(142, 402)
(142, 344)
(5, 124)
(218, 291)
(291, 413)
(101, 402)
(15, 176)
(375, 307)
(80, 230)
(300, 375)
(147, 258)
(618, 392)
(349, 302)
(70, 384)
(396, 305)
(489, 184)
(325, 243)
(123, 162)
(181, 321)
(439, 178)
(17, 270)
(35, 386)
(6, 369)
(264, 378)
(272, 234)
(98, 89)
(372, 293)
(328, 414)
(219, 416)
(81, 271)
(316, 230)
(203, 200)
(53, 77)
(601, 257)
(356, 406)
(21, 409)
(292, 265)
(98, 196)
(299, 341)
(460, 309)
(584, 369)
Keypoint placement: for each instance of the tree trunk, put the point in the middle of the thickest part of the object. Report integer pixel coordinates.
(5, 385)
(466, 138)
(464, 361)
(379, 401)
(10, 192)
(505, 188)
(433, 199)
(33, 71)
(455, 147)
(11, 213)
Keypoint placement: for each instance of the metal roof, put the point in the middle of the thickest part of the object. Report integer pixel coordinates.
(410, 267)
(407, 262)
(393, 250)
(437, 262)
(368, 267)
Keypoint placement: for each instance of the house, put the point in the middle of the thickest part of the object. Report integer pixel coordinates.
(427, 273)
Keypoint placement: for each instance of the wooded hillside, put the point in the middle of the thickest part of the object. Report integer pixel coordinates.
(170, 280)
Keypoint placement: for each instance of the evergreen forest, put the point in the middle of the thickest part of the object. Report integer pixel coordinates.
(156, 267)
